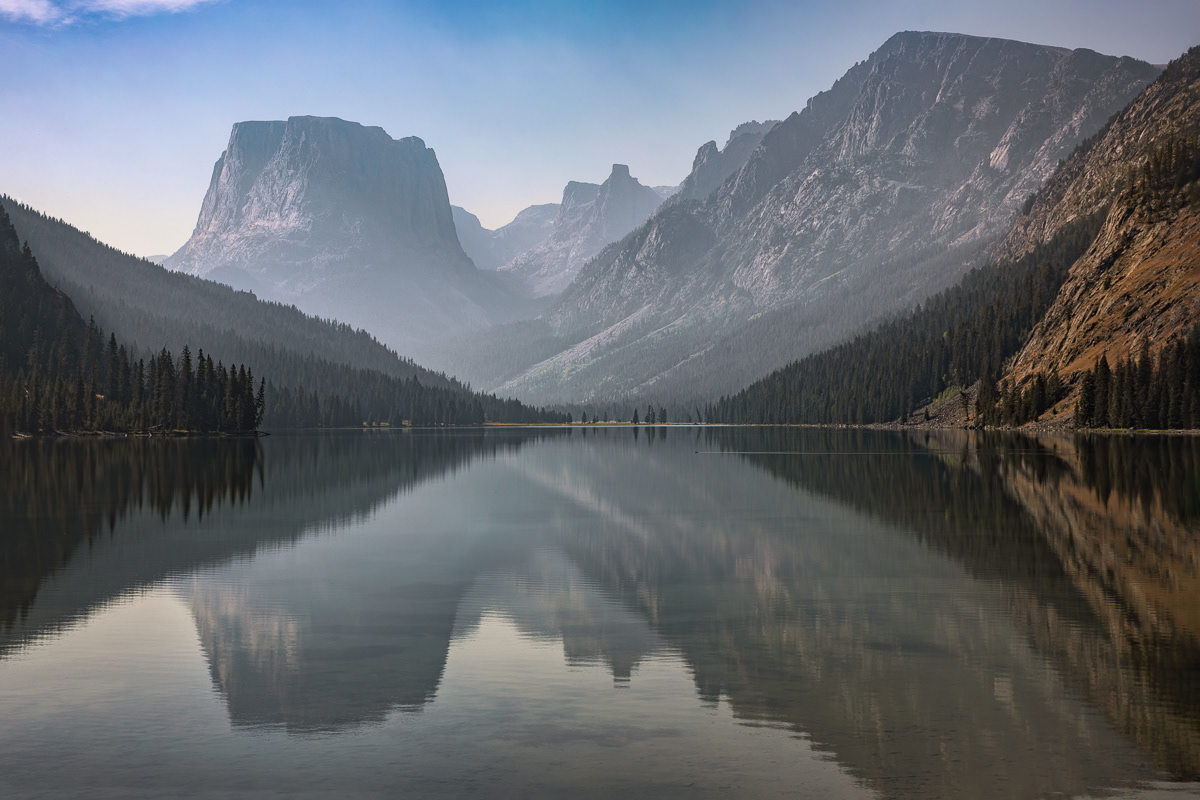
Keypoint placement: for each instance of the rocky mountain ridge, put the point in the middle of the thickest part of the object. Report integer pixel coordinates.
(491, 250)
(884, 189)
(1139, 283)
(589, 218)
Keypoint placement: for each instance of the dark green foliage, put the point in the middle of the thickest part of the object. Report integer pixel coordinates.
(1170, 177)
(1143, 392)
(960, 336)
(313, 373)
(56, 374)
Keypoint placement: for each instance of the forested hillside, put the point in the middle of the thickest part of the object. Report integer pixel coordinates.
(1094, 286)
(148, 306)
(959, 336)
(58, 374)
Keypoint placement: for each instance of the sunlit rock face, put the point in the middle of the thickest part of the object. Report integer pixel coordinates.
(343, 221)
(882, 190)
(589, 218)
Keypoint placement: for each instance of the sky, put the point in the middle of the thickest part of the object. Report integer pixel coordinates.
(114, 111)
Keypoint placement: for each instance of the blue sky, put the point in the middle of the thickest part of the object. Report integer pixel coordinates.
(115, 110)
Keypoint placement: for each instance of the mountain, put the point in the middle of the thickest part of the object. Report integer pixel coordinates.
(1101, 263)
(319, 372)
(712, 166)
(491, 250)
(345, 222)
(589, 218)
(151, 307)
(34, 316)
(881, 191)
(1139, 284)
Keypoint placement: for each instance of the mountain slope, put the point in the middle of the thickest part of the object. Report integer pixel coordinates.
(588, 218)
(1139, 283)
(34, 317)
(712, 166)
(1103, 261)
(345, 222)
(151, 307)
(883, 190)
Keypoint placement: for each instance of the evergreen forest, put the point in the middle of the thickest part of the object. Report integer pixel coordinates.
(59, 374)
(962, 335)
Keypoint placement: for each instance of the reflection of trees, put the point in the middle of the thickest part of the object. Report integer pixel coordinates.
(803, 612)
(148, 508)
(56, 494)
(1122, 520)
(1094, 543)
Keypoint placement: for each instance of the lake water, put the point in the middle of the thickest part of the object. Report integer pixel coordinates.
(680, 612)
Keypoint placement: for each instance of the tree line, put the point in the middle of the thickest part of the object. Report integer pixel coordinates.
(961, 335)
(1144, 392)
(58, 374)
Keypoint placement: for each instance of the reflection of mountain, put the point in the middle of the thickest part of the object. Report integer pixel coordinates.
(1122, 518)
(906, 667)
(88, 520)
(544, 595)
(1094, 543)
(366, 629)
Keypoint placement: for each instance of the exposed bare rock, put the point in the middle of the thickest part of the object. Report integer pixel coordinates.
(883, 190)
(491, 250)
(342, 221)
(589, 218)
(1140, 281)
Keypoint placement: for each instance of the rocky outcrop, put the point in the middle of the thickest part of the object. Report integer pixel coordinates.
(589, 218)
(712, 166)
(491, 250)
(343, 221)
(883, 190)
(1139, 283)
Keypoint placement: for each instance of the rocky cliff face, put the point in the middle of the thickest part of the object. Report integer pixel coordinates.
(1140, 281)
(491, 250)
(343, 221)
(712, 166)
(589, 218)
(881, 191)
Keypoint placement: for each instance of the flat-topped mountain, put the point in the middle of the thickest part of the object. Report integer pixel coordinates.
(343, 221)
(881, 191)
(589, 218)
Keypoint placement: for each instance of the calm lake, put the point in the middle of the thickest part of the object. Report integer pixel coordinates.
(672, 612)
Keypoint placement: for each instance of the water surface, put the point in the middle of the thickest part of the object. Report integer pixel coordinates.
(664, 612)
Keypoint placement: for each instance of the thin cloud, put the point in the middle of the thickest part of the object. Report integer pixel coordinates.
(57, 12)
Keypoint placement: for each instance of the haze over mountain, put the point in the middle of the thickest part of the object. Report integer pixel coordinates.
(884, 189)
(345, 222)
(1087, 313)
(712, 166)
(493, 249)
(589, 218)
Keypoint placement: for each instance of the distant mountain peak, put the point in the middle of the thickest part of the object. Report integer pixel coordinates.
(590, 217)
(343, 221)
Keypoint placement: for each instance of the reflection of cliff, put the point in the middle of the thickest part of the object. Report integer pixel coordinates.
(87, 520)
(1121, 518)
(332, 634)
(1094, 544)
(902, 665)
